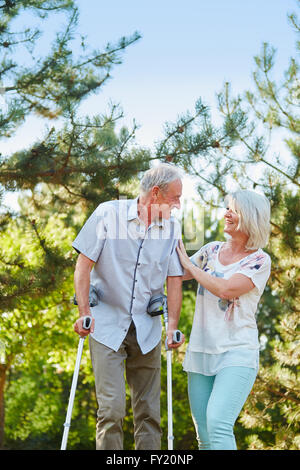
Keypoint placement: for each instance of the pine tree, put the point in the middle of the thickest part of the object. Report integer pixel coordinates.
(82, 155)
(79, 162)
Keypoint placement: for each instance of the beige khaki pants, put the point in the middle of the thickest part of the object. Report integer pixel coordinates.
(143, 377)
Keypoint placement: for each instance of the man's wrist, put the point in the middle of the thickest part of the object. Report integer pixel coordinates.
(85, 314)
(172, 324)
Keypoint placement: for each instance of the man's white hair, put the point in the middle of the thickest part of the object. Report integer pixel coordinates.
(161, 175)
(253, 210)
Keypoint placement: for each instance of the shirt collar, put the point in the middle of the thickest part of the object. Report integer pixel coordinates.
(132, 210)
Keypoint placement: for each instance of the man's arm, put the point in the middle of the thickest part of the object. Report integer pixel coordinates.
(174, 291)
(82, 286)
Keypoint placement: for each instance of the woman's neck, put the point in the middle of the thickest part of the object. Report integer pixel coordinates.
(238, 245)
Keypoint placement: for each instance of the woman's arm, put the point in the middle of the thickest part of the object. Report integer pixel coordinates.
(236, 285)
(187, 276)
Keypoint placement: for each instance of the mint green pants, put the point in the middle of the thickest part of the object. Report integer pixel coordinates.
(216, 402)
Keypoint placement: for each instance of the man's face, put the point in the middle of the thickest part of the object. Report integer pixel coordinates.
(165, 201)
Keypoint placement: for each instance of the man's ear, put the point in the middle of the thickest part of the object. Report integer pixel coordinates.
(155, 191)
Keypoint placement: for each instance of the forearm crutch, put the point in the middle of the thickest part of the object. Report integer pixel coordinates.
(87, 321)
(157, 306)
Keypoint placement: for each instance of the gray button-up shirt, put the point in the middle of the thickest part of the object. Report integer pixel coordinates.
(131, 264)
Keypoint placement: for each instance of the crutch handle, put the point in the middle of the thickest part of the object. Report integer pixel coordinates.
(87, 321)
(177, 338)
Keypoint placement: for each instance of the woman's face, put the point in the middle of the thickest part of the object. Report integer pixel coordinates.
(231, 221)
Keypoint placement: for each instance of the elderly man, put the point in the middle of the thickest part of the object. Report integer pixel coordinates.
(127, 252)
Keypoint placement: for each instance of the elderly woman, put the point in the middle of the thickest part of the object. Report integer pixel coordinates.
(222, 356)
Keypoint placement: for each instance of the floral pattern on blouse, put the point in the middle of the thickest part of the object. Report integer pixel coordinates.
(253, 263)
(206, 261)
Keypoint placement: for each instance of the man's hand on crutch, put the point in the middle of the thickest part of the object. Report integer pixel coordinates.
(80, 328)
(175, 338)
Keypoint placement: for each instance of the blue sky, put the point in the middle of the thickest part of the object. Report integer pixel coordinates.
(188, 50)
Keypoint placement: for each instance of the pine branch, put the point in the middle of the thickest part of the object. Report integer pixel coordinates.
(15, 262)
(288, 395)
(263, 160)
(177, 130)
(106, 57)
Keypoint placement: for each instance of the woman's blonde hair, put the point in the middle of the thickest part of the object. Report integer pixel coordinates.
(253, 210)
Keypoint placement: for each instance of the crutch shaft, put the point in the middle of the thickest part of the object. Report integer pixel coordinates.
(67, 424)
(157, 306)
(169, 398)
